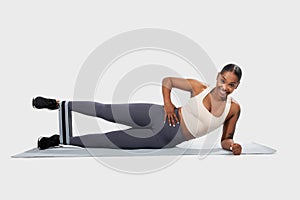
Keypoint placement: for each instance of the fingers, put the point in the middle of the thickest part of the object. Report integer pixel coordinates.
(172, 119)
(169, 120)
(176, 119)
(236, 149)
(170, 115)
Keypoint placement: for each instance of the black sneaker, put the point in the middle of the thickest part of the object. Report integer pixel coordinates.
(41, 102)
(46, 142)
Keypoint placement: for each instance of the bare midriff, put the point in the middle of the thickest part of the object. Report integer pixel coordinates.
(183, 127)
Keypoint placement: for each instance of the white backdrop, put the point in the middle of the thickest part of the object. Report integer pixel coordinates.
(44, 44)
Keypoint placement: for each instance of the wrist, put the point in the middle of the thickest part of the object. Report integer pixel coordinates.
(227, 144)
(167, 102)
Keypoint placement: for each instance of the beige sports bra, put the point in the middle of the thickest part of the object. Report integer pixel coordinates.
(199, 121)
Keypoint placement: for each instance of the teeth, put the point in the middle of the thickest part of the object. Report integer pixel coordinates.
(222, 92)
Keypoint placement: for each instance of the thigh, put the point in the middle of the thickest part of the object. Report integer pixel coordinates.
(121, 139)
(136, 115)
(167, 137)
(135, 139)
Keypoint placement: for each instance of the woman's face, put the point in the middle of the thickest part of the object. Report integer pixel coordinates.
(227, 82)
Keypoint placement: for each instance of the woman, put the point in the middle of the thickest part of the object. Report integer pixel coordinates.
(157, 126)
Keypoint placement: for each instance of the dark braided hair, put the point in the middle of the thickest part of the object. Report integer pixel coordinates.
(233, 68)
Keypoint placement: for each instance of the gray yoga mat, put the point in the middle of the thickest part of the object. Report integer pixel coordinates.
(73, 151)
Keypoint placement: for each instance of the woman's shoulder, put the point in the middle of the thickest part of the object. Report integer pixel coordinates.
(235, 106)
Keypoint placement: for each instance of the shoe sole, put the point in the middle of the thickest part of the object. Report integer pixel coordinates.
(33, 103)
(39, 143)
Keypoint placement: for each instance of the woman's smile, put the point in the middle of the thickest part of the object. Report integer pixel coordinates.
(222, 92)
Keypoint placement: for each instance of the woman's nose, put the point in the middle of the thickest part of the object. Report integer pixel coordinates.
(225, 87)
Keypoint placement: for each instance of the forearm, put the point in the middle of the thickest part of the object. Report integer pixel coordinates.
(227, 143)
(166, 90)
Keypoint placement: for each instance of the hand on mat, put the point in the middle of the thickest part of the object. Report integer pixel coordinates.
(236, 149)
(170, 114)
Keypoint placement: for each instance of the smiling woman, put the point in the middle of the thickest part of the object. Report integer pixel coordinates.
(161, 126)
(209, 108)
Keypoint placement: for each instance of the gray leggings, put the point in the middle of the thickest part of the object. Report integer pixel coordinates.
(148, 129)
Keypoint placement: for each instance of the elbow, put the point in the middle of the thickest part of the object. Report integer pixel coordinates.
(166, 79)
(167, 82)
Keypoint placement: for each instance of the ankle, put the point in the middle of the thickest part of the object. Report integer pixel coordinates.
(58, 103)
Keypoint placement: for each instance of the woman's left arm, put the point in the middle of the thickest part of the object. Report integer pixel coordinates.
(229, 128)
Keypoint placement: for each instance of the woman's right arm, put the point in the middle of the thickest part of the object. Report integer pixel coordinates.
(191, 85)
